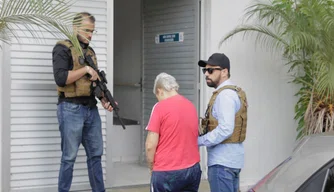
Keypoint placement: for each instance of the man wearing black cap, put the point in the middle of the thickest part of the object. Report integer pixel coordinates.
(224, 126)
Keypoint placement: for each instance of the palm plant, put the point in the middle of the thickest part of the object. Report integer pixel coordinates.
(303, 32)
(53, 16)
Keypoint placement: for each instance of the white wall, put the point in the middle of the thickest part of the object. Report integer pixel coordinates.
(1, 127)
(126, 146)
(127, 56)
(271, 127)
(4, 116)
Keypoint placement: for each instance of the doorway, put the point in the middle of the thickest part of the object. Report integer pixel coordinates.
(150, 37)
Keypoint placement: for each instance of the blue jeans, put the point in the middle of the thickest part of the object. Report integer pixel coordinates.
(80, 124)
(177, 181)
(223, 179)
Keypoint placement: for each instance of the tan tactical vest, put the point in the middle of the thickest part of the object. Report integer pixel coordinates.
(209, 122)
(81, 87)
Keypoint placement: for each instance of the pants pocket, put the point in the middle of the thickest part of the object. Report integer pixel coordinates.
(71, 107)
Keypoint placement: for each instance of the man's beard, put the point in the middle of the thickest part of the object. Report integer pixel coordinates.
(211, 83)
(82, 39)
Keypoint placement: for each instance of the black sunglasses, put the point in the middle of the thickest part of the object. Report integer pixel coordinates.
(210, 70)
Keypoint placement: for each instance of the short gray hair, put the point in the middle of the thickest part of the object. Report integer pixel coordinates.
(165, 82)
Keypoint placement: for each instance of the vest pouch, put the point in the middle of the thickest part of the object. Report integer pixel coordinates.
(83, 87)
(238, 121)
(69, 90)
(243, 115)
(212, 124)
(243, 128)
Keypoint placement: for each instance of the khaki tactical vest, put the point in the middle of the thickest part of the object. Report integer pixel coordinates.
(81, 87)
(209, 122)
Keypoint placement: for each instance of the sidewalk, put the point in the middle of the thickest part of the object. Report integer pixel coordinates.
(204, 187)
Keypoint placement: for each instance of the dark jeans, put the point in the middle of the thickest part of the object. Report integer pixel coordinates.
(223, 179)
(177, 181)
(80, 124)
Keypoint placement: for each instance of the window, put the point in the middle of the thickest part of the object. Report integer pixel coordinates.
(322, 180)
(329, 185)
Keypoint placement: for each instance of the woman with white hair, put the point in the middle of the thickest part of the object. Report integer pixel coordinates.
(171, 144)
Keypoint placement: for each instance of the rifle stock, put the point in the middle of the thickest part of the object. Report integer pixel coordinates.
(101, 90)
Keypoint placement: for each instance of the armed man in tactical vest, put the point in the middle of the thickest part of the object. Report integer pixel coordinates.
(78, 116)
(223, 129)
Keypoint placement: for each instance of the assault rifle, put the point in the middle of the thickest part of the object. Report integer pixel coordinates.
(100, 89)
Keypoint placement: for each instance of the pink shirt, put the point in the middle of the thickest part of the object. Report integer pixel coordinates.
(175, 120)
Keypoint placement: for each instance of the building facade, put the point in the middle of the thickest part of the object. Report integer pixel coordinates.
(135, 41)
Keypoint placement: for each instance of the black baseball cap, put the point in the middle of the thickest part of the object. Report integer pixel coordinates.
(217, 59)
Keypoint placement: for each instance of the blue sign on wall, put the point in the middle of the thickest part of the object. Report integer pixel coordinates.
(169, 37)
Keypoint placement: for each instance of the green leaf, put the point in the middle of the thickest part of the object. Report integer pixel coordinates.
(53, 16)
(303, 32)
